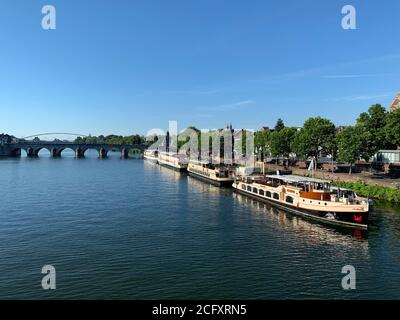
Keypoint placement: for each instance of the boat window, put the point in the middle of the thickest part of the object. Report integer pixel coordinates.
(276, 196)
(289, 199)
(255, 190)
(268, 194)
(243, 186)
(261, 192)
(248, 188)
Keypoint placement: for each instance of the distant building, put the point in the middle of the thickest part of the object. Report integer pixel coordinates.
(340, 128)
(387, 156)
(396, 103)
(266, 129)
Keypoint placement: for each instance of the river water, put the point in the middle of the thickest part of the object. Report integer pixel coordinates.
(128, 229)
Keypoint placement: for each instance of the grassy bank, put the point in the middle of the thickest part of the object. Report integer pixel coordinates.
(373, 191)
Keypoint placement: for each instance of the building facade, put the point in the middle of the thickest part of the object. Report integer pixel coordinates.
(396, 103)
(387, 156)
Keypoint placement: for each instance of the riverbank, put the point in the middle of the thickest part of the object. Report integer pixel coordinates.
(364, 184)
(373, 191)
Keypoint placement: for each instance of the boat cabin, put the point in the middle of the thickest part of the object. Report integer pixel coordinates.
(304, 187)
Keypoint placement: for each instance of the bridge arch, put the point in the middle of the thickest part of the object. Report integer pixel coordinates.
(59, 151)
(55, 148)
(138, 148)
(33, 152)
(43, 152)
(101, 151)
(126, 150)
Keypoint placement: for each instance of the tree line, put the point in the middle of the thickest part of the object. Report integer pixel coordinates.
(374, 130)
(112, 139)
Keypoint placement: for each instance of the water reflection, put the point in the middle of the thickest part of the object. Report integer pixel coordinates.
(315, 232)
(307, 231)
(201, 186)
(167, 173)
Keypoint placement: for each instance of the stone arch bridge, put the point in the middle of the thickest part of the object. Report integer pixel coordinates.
(32, 148)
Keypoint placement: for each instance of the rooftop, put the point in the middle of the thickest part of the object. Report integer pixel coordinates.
(297, 179)
(389, 151)
(396, 103)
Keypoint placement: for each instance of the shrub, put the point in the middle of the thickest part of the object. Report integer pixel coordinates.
(372, 191)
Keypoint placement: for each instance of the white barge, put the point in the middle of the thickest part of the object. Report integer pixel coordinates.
(151, 155)
(216, 174)
(307, 197)
(177, 162)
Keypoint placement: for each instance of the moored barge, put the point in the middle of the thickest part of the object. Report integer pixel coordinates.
(220, 175)
(177, 162)
(151, 155)
(307, 197)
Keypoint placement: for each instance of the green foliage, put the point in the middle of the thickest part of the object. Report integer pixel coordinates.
(375, 129)
(279, 125)
(112, 139)
(317, 136)
(135, 151)
(281, 141)
(392, 128)
(349, 144)
(261, 142)
(373, 191)
(371, 128)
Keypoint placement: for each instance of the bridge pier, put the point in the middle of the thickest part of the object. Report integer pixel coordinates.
(103, 153)
(124, 153)
(16, 153)
(79, 153)
(55, 153)
(31, 153)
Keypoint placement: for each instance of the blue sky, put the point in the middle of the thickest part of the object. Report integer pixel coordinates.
(128, 66)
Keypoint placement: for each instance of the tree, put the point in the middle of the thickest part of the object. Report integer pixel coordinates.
(100, 139)
(371, 127)
(317, 136)
(261, 143)
(350, 145)
(392, 128)
(112, 139)
(279, 125)
(281, 141)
